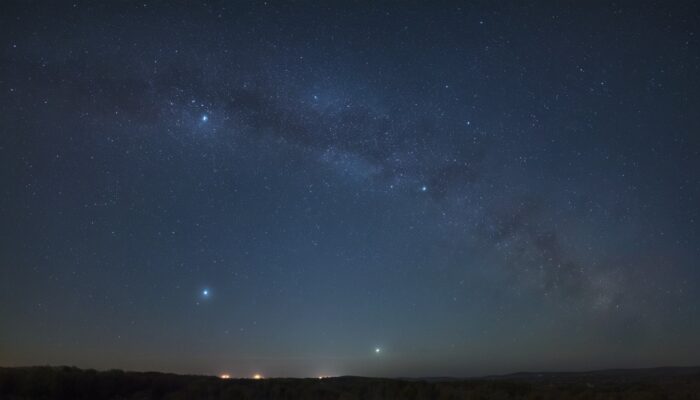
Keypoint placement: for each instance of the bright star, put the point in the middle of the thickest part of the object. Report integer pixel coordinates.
(205, 118)
(205, 292)
(377, 350)
(423, 188)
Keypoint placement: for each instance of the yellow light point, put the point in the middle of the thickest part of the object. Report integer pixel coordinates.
(225, 376)
(257, 376)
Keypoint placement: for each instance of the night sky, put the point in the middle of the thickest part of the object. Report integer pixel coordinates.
(396, 189)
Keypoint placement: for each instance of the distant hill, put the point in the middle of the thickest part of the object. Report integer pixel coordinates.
(59, 383)
(601, 375)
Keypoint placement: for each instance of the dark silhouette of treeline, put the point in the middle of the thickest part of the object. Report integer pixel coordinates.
(58, 383)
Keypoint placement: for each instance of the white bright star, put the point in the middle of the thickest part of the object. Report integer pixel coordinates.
(205, 118)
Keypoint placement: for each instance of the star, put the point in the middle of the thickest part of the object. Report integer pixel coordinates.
(205, 118)
(205, 292)
(377, 350)
(423, 188)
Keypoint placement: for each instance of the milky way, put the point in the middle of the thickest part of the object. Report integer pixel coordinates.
(300, 190)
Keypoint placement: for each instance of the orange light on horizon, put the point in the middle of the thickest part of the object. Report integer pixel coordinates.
(257, 376)
(225, 376)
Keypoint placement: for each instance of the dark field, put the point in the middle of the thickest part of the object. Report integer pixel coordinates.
(74, 383)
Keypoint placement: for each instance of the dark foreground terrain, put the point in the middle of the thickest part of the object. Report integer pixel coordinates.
(74, 383)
